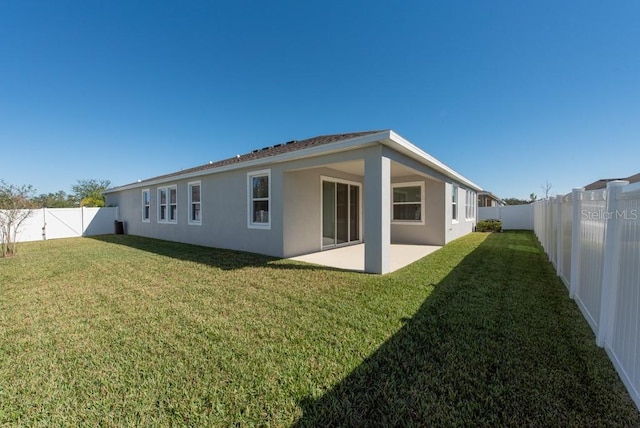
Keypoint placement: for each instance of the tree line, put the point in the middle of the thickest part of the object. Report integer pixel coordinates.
(546, 190)
(84, 193)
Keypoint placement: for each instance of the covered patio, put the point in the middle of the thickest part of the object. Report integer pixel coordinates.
(379, 191)
(338, 210)
(352, 257)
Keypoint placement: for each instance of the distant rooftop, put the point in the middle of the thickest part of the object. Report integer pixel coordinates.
(602, 183)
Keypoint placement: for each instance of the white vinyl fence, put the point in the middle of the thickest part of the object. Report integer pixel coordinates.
(512, 216)
(593, 240)
(53, 223)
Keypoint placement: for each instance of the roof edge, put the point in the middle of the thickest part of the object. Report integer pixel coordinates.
(387, 137)
(337, 146)
(434, 163)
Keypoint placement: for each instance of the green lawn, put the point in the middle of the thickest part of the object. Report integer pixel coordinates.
(123, 330)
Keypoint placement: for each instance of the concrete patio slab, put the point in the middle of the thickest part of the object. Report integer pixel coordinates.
(352, 256)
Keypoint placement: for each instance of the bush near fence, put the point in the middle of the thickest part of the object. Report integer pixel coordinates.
(491, 225)
(511, 216)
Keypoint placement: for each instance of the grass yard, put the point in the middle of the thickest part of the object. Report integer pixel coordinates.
(122, 330)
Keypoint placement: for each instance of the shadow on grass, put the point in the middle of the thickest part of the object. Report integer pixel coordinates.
(215, 257)
(496, 343)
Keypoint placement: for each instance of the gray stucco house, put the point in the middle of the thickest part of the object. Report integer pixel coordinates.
(306, 196)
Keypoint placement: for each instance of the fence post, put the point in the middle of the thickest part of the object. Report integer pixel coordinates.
(611, 263)
(550, 231)
(559, 235)
(576, 224)
(547, 226)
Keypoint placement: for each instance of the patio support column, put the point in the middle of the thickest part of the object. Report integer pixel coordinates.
(377, 212)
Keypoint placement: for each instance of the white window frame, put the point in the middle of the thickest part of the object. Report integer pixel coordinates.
(250, 199)
(422, 203)
(190, 185)
(159, 199)
(470, 205)
(454, 203)
(170, 188)
(167, 204)
(144, 205)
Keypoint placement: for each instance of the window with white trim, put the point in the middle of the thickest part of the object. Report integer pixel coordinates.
(259, 199)
(162, 205)
(195, 203)
(146, 205)
(173, 204)
(168, 204)
(454, 203)
(408, 203)
(470, 205)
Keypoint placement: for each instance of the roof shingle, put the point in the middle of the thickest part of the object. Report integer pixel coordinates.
(602, 183)
(277, 149)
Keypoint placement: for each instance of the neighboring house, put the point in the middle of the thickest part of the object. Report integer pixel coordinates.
(306, 196)
(488, 199)
(602, 183)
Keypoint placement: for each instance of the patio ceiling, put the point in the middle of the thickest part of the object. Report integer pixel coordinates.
(356, 167)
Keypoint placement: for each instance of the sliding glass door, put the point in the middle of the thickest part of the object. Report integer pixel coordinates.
(340, 213)
(328, 213)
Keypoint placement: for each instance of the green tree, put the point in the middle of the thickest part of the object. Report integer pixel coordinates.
(60, 199)
(515, 201)
(89, 192)
(16, 206)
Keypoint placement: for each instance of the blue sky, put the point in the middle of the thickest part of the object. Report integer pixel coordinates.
(510, 94)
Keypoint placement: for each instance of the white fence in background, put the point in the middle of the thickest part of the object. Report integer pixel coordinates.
(593, 240)
(512, 216)
(53, 223)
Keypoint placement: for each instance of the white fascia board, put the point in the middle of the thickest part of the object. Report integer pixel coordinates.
(284, 157)
(404, 146)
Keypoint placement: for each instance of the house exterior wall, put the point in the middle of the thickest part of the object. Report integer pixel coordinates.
(295, 206)
(432, 232)
(450, 229)
(302, 208)
(460, 227)
(224, 208)
(224, 214)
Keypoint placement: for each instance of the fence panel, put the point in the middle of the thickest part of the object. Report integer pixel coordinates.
(486, 213)
(566, 218)
(63, 222)
(512, 216)
(599, 257)
(31, 229)
(552, 232)
(624, 344)
(53, 223)
(99, 221)
(591, 257)
(539, 221)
